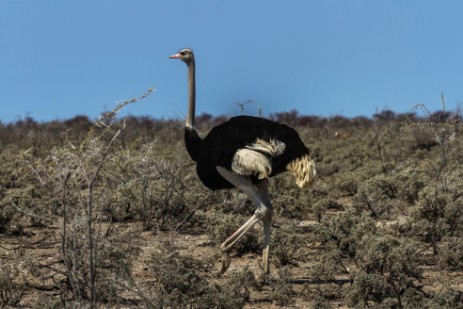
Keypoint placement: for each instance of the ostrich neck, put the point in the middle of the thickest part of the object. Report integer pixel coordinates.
(190, 118)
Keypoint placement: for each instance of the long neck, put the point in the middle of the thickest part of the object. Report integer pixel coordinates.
(192, 139)
(190, 118)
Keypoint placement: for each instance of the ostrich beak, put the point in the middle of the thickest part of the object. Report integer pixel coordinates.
(176, 56)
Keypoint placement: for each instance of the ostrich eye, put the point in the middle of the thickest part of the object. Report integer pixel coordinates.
(183, 53)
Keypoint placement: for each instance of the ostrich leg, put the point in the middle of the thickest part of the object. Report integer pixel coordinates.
(259, 196)
(262, 187)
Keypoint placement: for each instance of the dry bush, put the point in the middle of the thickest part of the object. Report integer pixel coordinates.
(377, 194)
(380, 266)
(451, 254)
(449, 298)
(180, 282)
(92, 257)
(347, 185)
(410, 181)
(69, 179)
(7, 214)
(12, 288)
(387, 267)
(283, 294)
(287, 246)
(148, 188)
(177, 279)
(437, 215)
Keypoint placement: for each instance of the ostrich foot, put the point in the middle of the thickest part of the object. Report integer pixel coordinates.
(225, 262)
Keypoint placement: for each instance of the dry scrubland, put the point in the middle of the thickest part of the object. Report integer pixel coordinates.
(111, 215)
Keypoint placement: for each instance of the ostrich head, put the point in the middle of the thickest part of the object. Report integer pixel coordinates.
(186, 55)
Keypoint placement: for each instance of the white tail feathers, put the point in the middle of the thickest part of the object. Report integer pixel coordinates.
(304, 170)
(253, 159)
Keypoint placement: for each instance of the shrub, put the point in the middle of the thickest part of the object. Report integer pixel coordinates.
(437, 215)
(148, 188)
(377, 194)
(387, 266)
(449, 298)
(286, 246)
(6, 215)
(179, 282)
(365, 288)
(12, 289)
(451, 254)
(341, 232)
(283, 294)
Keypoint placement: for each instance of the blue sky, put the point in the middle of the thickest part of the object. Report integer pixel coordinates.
(61, 58)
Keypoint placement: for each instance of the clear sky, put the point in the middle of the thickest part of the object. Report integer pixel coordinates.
(61, 58)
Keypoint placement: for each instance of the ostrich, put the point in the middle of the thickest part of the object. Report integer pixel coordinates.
(244, 152)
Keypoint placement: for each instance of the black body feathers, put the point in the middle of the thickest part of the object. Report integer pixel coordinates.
(223, 141)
